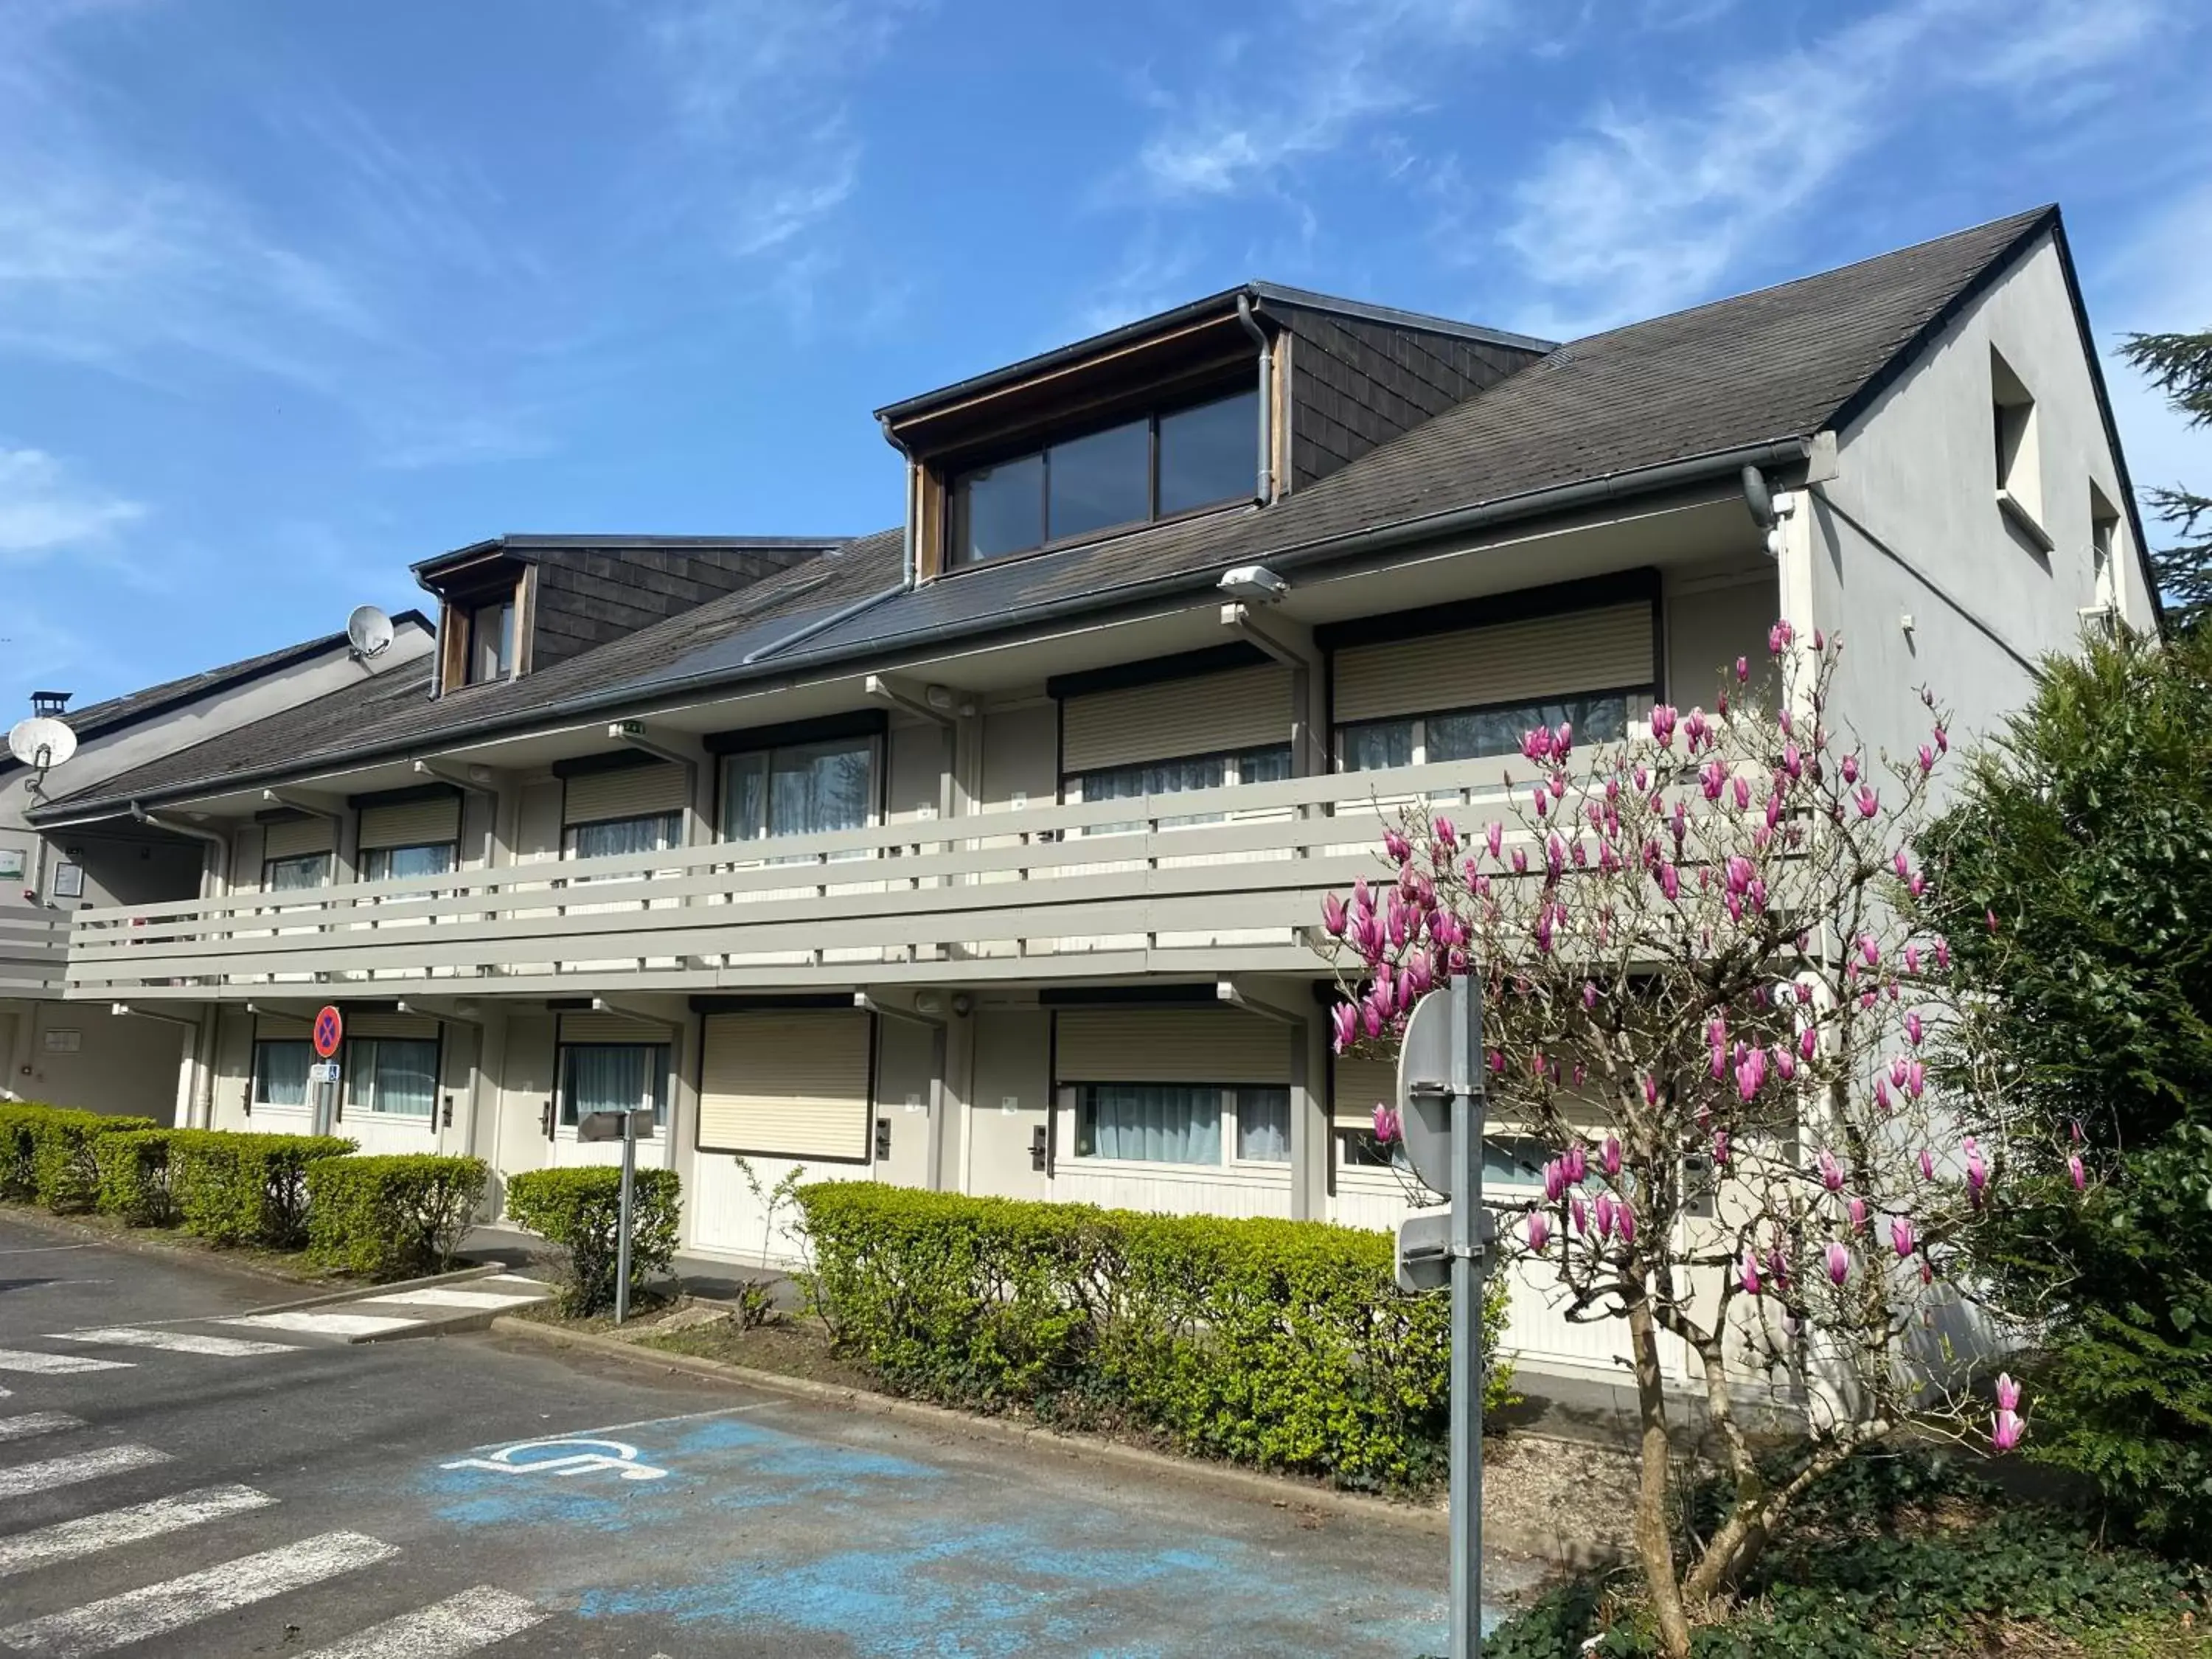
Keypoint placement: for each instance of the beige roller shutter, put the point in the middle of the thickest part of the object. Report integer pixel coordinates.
(632, 792)
(277, 1028)
(413, 1027)
(612, 1028)
(1203, 714)
(1603, 650)
(788, 1083)
(412, 823)
(292, 838)
(1169, 1045)
(1360, 1082)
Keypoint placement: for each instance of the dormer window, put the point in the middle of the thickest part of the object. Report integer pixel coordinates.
(1162, 463)
(491, 641)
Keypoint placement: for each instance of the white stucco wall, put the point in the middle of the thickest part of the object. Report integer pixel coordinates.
(1917, 473)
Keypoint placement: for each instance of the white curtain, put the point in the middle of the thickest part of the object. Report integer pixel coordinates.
(1153, 1122)
(280, 1073)
(1263, 1125)
(613, 1077)
(400, 1077)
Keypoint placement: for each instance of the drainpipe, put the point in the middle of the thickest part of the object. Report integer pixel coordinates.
(907, 574)
(1266, 485)
(819, 625)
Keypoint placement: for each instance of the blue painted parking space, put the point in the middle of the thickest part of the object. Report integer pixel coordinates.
(737, 1533)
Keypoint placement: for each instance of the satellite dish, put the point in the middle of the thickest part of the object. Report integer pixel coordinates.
(369, 630)
(41, 742)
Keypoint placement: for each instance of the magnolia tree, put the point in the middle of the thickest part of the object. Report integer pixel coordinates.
(1705, 991)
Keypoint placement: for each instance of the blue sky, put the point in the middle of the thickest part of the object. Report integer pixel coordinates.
(294, 295)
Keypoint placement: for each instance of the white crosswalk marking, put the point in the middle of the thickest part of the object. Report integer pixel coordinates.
(136, 1615)
(17, 1359)
(445, 1630)
(130, 1336)
(43, 1476)
(326, 1324)
(65, 1540)
(22, 1428)
(435, 1296)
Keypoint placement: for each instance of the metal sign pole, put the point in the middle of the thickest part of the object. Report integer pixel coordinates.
(1467, 1265)
(621, 1223)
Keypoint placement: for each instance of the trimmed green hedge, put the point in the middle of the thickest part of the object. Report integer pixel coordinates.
(580, 1209)
(1283, 1344)
(390, 1217)
(134, 1176)
(47, 1152)
(244, 1188)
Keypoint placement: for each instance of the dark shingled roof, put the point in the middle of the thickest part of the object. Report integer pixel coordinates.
(1780, 364)
(132, 706)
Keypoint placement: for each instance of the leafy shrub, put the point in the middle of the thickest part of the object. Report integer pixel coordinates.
(580, 1211)
(390, 1217)
(134, 1176)
(232, 1187)
(1284, 1344)
(46, 1153)
(1903, 1557)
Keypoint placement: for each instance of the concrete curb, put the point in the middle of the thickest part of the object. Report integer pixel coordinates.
(1083, 1448)
(368, 1292)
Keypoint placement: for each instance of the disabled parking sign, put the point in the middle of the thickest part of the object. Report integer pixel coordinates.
(564, 1457)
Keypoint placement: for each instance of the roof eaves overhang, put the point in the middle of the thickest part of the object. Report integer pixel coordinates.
(1346, 549)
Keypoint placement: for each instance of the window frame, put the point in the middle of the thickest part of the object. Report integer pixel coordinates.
(565, 1115)
(873, 817)
(453, 859)
(268, 866)
(1418, 749)
(1072, 792)
(510, 603)
(1228, 1126)
(256, 1097)
(956, 559)
(352, 1071)
(671, 829)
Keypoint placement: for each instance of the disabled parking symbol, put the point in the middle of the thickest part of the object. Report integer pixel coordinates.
(564, 1457)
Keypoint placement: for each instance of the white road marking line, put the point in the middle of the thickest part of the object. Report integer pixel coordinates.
(515, 1279)
(445, 1630)
(17, 1359)
(133, 1336)
(22, 1428)
(435, 1297)
(44, 1249)
(655, 1422)
(67, 1539)
(51, 1471)
(326, 1324)
(135, 1615)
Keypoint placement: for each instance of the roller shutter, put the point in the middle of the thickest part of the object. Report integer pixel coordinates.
(1603, 650)
(292, 838)
(277, 1028)
(415, 1028)
(788, 1083)
(427, 823)
(631, 792)
(1201, 714)
(612, 1028)
(1360, 1081)
(1169, 1045)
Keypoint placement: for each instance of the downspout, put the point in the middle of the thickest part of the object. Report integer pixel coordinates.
(907, 574)
(819, 625)
(1266, 483)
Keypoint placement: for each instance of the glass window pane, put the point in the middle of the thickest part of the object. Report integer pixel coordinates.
(290, 875)
(745, 796)
(1481, 733)
(998, 509)
(491, 630)
(1270, 765)
(1263, 1125)
(280, 1072)
(1210, 453)
(622, 835)
(1100, 481)
(821, 787)
(613, 1077)
(383, 863)
(1153, 1122)
(1380, 744)
(1154, 778)
(393, 1076)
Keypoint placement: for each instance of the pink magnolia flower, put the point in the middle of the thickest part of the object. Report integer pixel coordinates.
(1662, 727)
(1385, 1124)
(1901, 1236)
(1396, 846)
(1742, 793)
(1720, 1145)
(1944, 955)
(1809, 1040)
(1346, 1017)
(2007, 1393)
(1839, 1264)
(1850, 768)
(1742, 670)
(2005, 1429)
(1580, 1212)
(1555, 1182)
(1943, 741)
(1521, 860)
(1493, 836)
(1624, 1223)
(1881, 1096)
(2074, 1168)
(1604, 1212)
(1747, 1273)
(1447, 836)
(1857, 1210)
(1927, 758)
(1696, 729)
(1370, 1022)
(1540, 1230)
(1589, 994)
(1916, 1078)
(1576, 1162)
(1927, 1164)
(1779, 637)
(1650, 1091)
(1911, 958)
(1536, 744)
(1978, 1172)
(1831, 1171)
(1333, 916)
(1991, 916)
(1670, 881)
(1609, 1156)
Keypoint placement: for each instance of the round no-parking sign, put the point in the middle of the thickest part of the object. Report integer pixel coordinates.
(330, 1031)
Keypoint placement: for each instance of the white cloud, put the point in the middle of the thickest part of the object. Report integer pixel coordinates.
(1150, 278)
(1641, 211)
(44, 510)
(1325, 74)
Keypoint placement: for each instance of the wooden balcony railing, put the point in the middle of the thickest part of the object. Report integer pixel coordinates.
(33, 951)
(1114, 887)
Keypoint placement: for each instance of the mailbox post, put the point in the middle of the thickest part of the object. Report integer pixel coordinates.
(1441, 1114)
(626, 1127)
